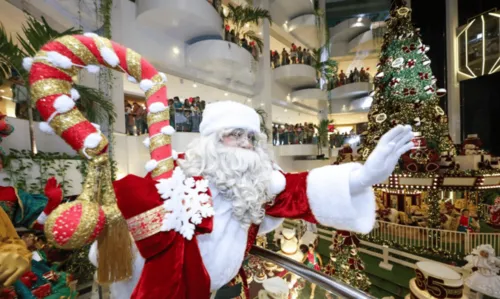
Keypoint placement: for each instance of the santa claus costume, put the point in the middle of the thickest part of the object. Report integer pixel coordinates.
(235, 193)
(192, 220)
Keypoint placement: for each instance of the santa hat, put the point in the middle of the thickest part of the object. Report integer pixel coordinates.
(229, 115)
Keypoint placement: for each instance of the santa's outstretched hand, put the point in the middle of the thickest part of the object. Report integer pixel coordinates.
(382, 161)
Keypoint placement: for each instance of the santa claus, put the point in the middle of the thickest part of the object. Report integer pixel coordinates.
(193, 230)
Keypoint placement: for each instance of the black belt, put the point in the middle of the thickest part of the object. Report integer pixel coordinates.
(229, 292)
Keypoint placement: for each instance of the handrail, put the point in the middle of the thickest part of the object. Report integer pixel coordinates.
(328, 283)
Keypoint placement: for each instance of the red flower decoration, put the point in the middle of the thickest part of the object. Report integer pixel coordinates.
(423, 76)
(411, 63)
(409, 91)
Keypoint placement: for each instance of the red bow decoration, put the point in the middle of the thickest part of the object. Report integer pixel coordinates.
(413, 47)
(429, 89)
(394, 82)
(423, 76)
(329, 270)
(355, 263)
(28, 279)
(411, 63)
(422, 49)
(406, 49)
(409, 91)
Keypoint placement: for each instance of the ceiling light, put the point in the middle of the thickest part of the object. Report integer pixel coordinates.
(194, 85)
(286, 110)
(247, 25)
(2, 91)
(260, 32)
(249, 100)
(176, 50)
(226, 94)
(262, 104)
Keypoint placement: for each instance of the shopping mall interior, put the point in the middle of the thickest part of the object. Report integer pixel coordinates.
(257, 148)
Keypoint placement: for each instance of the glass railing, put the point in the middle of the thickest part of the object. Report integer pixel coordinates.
(182, 119)
(302, 281)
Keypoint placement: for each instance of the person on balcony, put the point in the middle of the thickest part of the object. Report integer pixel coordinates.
(276, 59)
(284, 57)
(342, 78)
(300, 55)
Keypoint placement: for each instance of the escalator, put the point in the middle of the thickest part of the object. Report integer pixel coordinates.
(298, 276)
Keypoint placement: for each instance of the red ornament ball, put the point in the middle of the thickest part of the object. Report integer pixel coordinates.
(75, 224)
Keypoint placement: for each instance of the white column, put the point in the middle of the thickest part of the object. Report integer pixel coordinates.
(453, 86)
(263, 97)
(117, 93)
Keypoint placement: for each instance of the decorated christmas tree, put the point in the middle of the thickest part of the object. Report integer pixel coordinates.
(406, 93)
(345, 262)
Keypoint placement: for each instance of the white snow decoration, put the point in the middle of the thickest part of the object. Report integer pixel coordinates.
(92, 68)
(146, 142)
(75, 95)
(168, 130)
(90, 34)
(27, 63)
(64, 104)
(380, 75)
(59, 60)
(151, 165)
(92, 141)
(109, 56)
(157, 107)
(163, 76)
(46, 128)
(175, 155)
(98, 127)
(186, 203)
(131, 79)
(146, 85)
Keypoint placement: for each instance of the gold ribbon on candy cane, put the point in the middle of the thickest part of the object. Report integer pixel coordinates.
(51, 72)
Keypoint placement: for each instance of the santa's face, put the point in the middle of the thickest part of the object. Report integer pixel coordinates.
(239, 138)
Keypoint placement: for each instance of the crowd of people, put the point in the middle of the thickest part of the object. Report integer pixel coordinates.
(231, 35)
(354, 76)
(184, 116)
(295, 55)
(294, 134)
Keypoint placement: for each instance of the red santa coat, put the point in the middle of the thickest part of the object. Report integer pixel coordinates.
(177, 267)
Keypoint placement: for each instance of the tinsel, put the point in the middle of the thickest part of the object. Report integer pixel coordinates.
(405, 90)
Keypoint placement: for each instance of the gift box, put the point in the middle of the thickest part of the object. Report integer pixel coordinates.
(42, 291)
(51, 276)
(472, 162)
(8, 293)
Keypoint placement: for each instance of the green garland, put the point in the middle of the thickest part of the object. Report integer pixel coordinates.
(50, 164)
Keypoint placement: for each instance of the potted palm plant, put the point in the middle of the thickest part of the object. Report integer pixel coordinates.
(239, 16)
(92, 102)
(323, 136)
(326, 69)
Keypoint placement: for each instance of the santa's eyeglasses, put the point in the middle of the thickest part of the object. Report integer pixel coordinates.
(240, 138)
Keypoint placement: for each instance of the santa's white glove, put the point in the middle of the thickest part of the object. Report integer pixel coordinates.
(382, 161)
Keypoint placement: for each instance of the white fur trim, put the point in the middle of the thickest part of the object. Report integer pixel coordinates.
(150, 165)
(333, 205)
(175, 155)
(131, 79)
(91, 68)
(156, 107)
(92, 141)
(64, 104)
(98, 127)
(146, 85)
(27, 63)
(75, 95)
(109, 56)
(168, 130)
(146, 142)
(269, 224)
(42, 218)
(93, 254)
(229, 115)
(278, 182)
(59, 60)
(90, 34)
(46, 128)
(186, 203)
(163, 76)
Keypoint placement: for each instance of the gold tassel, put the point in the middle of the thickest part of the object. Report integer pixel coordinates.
(114, 242)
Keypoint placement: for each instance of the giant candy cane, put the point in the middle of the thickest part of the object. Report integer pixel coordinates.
(75, 224)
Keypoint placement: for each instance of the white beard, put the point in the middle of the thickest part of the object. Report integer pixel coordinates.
(242, 175)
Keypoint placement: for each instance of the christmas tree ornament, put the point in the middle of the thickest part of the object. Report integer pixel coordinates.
(380, 118)
(95, 213)
(441, 92)
(411, 63)
(398, 62)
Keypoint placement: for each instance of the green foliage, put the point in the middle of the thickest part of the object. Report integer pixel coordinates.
(323, 131)
(94, 104)
(405, 90)
(20, 165)
(241, 15)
